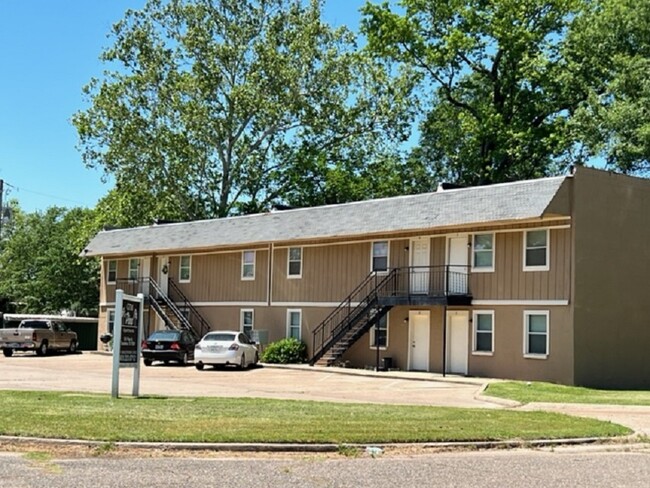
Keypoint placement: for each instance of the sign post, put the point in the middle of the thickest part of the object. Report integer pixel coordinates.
(129, 312)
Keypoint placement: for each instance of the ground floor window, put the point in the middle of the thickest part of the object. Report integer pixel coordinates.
(379, 333)
(483, 332)
(536, 333)
(247, 322)
(294, 323)
(110, 320)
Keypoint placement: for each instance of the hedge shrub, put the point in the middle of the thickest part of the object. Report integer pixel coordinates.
(285, 351)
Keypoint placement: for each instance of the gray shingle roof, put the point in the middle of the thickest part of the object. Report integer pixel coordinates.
(476, 205)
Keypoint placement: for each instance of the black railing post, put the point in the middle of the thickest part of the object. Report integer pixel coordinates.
(447, 278)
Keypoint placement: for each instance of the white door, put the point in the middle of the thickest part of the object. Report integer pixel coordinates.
(457, 342)
(457, 259)
(419, 341)
(163, 273)
(420, 265)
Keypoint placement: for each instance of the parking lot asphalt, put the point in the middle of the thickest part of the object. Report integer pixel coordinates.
(90, 372)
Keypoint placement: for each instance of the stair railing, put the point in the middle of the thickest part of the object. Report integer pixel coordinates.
(199, 325)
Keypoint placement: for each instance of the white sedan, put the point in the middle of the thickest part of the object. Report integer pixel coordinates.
(225, 348)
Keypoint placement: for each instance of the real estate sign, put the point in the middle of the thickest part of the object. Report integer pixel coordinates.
(127, 338)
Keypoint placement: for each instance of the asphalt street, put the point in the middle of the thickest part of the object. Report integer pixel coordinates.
(559, 468)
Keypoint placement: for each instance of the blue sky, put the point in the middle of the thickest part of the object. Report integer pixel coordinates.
(50, 50)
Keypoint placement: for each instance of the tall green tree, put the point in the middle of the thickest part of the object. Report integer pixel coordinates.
(41, 270)
(609, 46)
(214, 107)
(520, 88)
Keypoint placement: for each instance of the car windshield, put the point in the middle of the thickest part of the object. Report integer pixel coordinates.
(164, 335)
(34, 324)
(220, 337)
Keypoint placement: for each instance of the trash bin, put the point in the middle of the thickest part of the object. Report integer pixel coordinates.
(386, 364)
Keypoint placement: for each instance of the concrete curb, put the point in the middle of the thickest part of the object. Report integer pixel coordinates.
(318, 448)
(504, 402)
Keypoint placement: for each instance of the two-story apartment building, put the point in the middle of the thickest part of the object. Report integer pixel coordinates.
(539, 280)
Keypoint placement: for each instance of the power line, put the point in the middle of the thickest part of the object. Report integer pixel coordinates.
(19, 189)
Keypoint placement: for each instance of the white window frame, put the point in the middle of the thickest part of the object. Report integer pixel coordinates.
(548, 251)
(242, 314)
(289, 261)
(299, 312)
(181, 267)
(244, 264)
(475, 332)
(528, 313)
(372, 335)
(137, 269)
(108, 271)
(109, 312)
(372, 256)
(483, 269)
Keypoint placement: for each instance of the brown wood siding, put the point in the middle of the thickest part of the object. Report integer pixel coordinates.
(106, 291)
(217, 278)
(508, 281)
(329, 273)
(438, 250)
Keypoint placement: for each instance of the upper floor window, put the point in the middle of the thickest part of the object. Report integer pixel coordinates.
(483, 252)
(379, 256)
(536, 334)
(134, 269)
(483, 332)
(247, 322)
(294, 323)
(248, 265)
(536, 250)
(379, 333)
(111, 271)
(185, 269)
(295, 262)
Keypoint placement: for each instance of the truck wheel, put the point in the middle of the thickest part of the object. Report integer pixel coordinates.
(148, 362)
(8, 352)
(42, 349)
(73, 347)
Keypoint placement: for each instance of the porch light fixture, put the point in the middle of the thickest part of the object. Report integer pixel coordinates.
(406, 320)
(165, 269)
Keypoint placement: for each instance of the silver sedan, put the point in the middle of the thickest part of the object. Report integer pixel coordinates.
(224, 348)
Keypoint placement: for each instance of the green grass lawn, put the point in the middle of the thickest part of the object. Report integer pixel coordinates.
(548, 392)
(99, 417)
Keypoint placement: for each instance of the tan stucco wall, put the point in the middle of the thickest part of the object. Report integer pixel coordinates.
(612, 276)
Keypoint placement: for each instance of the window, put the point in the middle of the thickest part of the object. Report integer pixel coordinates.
(483, 332)
(295, 262)
(536, 334)
(111, 271)
(536, 250)
(294, 322)
(110, 320)
(185, 269)
(379, 256)
(246, 322)
(134, 269)
(483, 252)
(379, 333)
(248, 265)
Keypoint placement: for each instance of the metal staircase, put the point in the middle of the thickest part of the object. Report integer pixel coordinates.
(350, 320)
(173, 308)
(376, 295)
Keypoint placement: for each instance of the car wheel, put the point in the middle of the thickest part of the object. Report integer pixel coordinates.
(183, 360)
(257, 358)
(73, 347)
(8, 352)
(199, 366)
(148, 362)
(42, 349)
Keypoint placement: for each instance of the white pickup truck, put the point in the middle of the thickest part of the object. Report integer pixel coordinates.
(38, 335)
